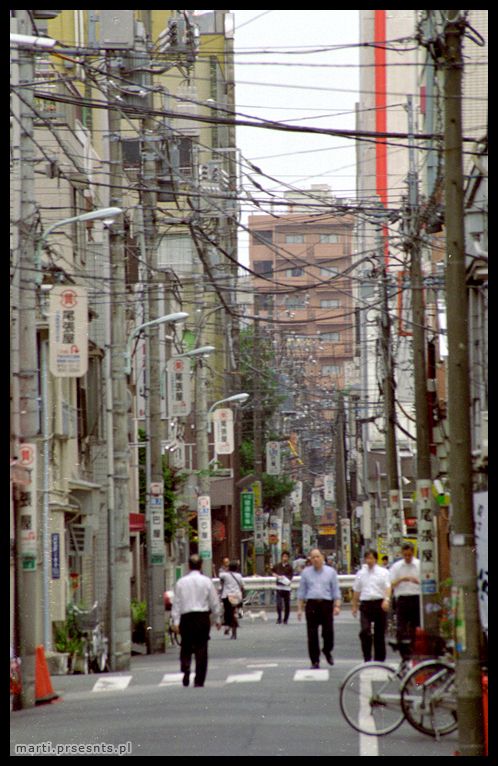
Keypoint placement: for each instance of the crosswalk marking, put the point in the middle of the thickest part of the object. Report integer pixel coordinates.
(311, 675)
(171, 679)
(243, 678)
(111, 683)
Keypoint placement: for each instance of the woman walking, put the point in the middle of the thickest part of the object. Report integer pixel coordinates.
(232, 594)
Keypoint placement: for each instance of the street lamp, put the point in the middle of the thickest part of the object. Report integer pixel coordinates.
(107, 214)
(30, 41)
(235, 398)
(170, 318)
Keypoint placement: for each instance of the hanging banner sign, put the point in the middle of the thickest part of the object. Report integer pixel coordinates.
(259, 532)
(346, 544)
(156, 523)
(223, 431)
(395, 524)
(179, 388)
(258, 494)
(246, 511)
(481, 539)
(204, 527)
(297, 493)
(426, 538)
(27, 504)
(68, 331)
(273, 459)
(329, 488)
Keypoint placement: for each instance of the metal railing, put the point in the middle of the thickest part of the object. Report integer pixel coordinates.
(263, 587)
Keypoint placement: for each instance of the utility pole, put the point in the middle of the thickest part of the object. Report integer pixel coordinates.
(25, 379)
(340, 485)
(463, 556)
(155, 288)
(119, 563)
(425, 516)
(257, 422)
(395, 504)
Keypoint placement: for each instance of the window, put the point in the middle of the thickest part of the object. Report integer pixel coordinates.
(295, 302)
(294, 239)
(330, 337)
(327, 271)
(329, 303)
(296, 272)
(329, 239)
(262, 237)
(331, 369)
(263, 267)
(176, 251)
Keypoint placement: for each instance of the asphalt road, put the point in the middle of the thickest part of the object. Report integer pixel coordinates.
(259, 699)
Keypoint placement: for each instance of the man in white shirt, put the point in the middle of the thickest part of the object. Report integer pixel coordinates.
(405, 582)
(371, 591)
(194, 603)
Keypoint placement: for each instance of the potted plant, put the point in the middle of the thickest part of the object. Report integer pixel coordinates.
(69, 646)
(139, 621)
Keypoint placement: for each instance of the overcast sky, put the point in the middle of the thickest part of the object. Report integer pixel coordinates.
(289, 84)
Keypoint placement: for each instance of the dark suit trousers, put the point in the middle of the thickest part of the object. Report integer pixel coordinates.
(407, 620)
(194, 630)
(283, 601)
(371, 611)
(319, 613)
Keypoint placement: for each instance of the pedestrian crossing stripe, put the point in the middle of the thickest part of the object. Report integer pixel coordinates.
(311, 675)
(171, 679)
(243, 678)
(112, 683)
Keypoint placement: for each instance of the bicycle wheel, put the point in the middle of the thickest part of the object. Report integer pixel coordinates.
(428, 698)
(370, 699)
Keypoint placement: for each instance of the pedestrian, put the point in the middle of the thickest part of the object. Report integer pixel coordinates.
(405, 582)
(385, 561)
(299, 563)
(319, 588)
(372, 590)
(232, 595)
(195, 604)
(225, 563)
(283, 572)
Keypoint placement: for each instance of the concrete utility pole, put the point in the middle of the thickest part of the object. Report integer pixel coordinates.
(155, 291)
(257, 423)
(119, 564)
(340, 480)
(463, 556)
(425, 516)
(395, 502)
(26, 403)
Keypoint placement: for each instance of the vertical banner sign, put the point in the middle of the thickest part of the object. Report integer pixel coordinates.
(68, 331)
(316, 503)
(259, 531)
(246, 511)
(273, 461)
(179, 389)
(306, 538)
(481, 538)
(346, 544)
(258, 494)
(286, 536)
(329, 488)
(395, 523)
(156, 523)
(27, 509)
(223, 431)
(426, 543)
(204, 527)
(56, 556)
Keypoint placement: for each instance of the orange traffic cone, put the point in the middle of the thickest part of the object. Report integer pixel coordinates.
(44, 691)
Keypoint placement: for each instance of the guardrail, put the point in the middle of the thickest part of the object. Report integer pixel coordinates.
(256, 582)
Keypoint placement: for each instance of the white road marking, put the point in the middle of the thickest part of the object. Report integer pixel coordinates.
(264, 665)
(171, 679)
(111, 683)
(311, 675)
(369, 745)
(243, 678)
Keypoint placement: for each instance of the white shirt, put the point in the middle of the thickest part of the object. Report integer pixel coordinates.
(232, 584)
(194, 593)
(372, 584)
(402, 569)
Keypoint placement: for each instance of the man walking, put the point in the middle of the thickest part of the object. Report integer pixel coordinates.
(195, 602)
(319, 588)
(405, 582)
(283, 572)
(372, 590)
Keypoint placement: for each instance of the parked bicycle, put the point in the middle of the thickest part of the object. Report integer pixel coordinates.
(375, 698)
(95, 643)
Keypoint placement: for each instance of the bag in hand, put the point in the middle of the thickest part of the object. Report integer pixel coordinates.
(234, 600)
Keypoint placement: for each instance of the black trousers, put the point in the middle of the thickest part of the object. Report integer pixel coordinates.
(407, 620)
(319, 613)
(194, 630)
(371, 611)
(283, 602)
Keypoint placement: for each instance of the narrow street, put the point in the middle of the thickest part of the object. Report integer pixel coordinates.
(260, 699)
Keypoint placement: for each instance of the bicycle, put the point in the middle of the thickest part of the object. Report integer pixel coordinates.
(375, 698)
(95, 643)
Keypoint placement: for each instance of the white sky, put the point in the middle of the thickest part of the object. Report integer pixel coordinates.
(308, 95)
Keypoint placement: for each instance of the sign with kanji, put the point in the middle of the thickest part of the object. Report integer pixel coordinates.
(426, 537)
(246, 511)
(329, 488)
(259, 532)
(395, 523)
(223, 431)
(68, 331)
(273, 460)
(27, 509)
(205, 545)
(156, 523)
(179, 388)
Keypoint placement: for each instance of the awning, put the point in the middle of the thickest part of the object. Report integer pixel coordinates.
(137, 522)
